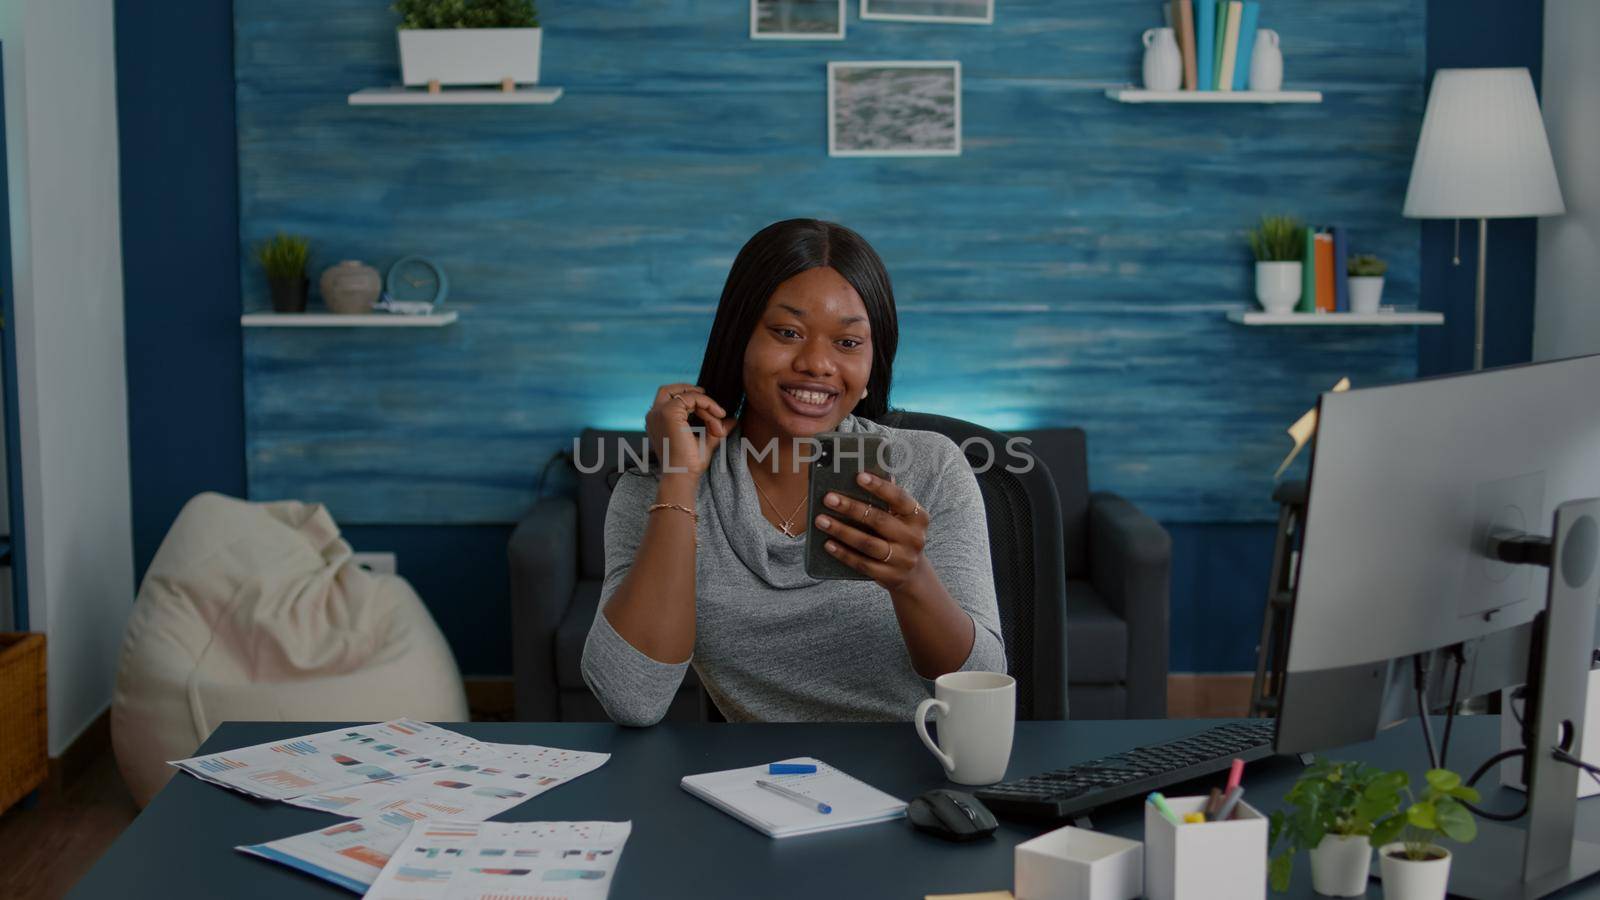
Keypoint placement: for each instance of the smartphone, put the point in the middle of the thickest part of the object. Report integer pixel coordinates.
(842, 456)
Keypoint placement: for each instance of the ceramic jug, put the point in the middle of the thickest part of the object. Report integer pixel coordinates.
(1266, 62)
(1163, 64)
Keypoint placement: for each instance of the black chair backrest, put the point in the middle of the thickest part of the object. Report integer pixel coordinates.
(1025, 544)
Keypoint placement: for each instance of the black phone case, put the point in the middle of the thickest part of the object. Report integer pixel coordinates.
(862, 455)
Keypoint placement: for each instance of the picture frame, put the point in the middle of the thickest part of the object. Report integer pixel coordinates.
(797, 20)
(950, 12)
(894, 108)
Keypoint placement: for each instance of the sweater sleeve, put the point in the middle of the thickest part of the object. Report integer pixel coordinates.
(958, 549)
(633, 688)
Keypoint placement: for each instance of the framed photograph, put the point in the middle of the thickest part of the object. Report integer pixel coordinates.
(954, 12)
(797, 20)
(878, 108)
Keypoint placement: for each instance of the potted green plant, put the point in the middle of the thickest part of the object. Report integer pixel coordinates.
(460, 42)
(284, 259)
(1332, 812)
(1366, 282)
(1279, 245)
(1414, 866)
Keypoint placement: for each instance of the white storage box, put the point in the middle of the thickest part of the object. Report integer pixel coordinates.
(1078, 864)
(1205, 861)
(459, 56)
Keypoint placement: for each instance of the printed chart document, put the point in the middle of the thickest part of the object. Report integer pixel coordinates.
(852, 802)
(349, 854)
(404, 767)
(449, 860)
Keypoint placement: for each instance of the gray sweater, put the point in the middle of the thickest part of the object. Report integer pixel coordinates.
(773, 644)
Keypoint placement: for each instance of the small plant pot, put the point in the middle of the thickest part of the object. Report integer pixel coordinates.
(465, 56)
(1366, 292)
(289, 294)
(1278, 286)
(1404, 879)
(1340, 866)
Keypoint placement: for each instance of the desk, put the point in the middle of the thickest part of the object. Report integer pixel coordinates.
(182, 844)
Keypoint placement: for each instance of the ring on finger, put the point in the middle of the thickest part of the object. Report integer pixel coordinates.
(888, 556)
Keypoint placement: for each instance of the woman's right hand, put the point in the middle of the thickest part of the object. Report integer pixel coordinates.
(672, 440)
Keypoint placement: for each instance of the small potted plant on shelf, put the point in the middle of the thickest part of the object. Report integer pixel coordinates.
(462, 42)
(284, 260)
(1415, 867)
(1279, 245)
(1366, 282)
(1332, 812)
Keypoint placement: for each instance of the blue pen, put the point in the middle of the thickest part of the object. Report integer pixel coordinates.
(791, 769)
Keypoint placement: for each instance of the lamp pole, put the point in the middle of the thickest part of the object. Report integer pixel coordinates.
(1483, 270)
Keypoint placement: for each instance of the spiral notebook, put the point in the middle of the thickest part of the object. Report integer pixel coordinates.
(853, 802)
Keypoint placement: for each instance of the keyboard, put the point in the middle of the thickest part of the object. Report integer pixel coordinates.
(1077, 790)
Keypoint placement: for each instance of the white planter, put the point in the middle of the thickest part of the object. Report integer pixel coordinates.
(1278, 286)
(1366, 292)
(1340, 866)
(1407, 880)
(469, 55)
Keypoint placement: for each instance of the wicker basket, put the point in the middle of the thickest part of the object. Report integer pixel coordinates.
(23, 756)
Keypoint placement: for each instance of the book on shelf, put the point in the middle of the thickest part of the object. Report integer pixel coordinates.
(1308, 274)
(1230, 46)
(1324, 267)
(1217, 40)
(1205, 39)
(1183, 24)
(1341, 278)
(1247, 44)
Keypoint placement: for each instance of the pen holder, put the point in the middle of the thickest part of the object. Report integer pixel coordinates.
(1205, 860)
(1077, 864)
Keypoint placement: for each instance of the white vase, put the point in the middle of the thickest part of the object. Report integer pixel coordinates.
(469, 55)
(1266, 62)
(1278, 286)
(1404, 879)
(1340, 865)
(1366, 292)
(1163, 64)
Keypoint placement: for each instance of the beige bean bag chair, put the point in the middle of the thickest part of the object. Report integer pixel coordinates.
(256, 611)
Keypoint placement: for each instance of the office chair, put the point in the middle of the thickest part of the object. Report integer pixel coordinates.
(557, 559)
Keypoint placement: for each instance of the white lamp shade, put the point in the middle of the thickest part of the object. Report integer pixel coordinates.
(1483, 153)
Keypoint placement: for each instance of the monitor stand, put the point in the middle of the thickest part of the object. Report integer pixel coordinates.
(1550, 856)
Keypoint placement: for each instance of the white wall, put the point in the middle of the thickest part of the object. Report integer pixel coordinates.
(1567, 312)
(61, 141)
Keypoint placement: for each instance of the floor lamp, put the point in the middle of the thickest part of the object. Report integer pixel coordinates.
(1483, 155)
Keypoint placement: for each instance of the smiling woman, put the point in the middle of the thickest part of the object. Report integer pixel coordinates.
(705, 553)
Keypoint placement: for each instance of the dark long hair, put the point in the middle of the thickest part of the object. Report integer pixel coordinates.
(776, 254)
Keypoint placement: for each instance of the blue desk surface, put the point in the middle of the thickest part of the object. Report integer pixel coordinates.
(182, 844)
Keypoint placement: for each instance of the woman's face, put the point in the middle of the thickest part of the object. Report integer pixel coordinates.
(809, 358)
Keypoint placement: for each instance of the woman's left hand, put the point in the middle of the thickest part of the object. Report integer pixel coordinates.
(887, 547)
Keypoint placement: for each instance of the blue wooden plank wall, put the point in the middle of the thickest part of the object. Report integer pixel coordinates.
(1072, 266)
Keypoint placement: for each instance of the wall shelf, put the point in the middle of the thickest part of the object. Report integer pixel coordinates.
(403, 96)
(1392, 317)
(1139, 95)
(334, 320)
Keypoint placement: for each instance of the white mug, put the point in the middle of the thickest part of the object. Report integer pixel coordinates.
(976, 713)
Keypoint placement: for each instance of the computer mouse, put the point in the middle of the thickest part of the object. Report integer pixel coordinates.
(952, 815)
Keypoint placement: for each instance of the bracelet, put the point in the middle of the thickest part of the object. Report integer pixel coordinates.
(684, 509)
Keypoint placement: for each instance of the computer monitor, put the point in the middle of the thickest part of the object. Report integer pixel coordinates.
(1413, 490)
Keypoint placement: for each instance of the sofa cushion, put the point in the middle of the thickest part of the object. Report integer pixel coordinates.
(574, 631)
(1097, 640)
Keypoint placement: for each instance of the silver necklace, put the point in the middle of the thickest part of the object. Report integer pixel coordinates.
(787, 523)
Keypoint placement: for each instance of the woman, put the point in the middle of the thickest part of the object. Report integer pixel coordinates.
(705, 553)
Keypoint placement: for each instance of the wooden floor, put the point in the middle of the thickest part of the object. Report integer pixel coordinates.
(45, 849)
